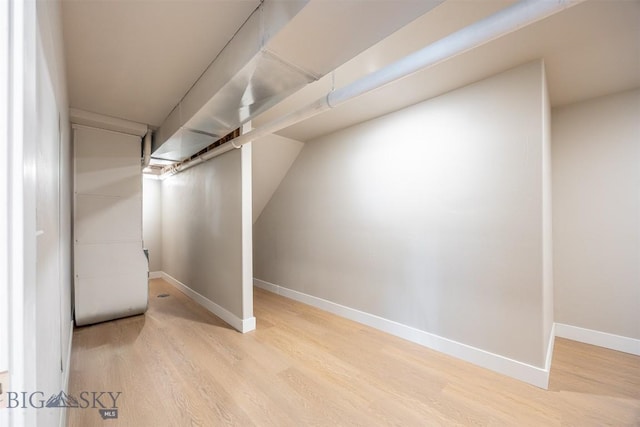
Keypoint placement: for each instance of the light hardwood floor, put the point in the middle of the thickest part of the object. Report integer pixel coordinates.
(178, 365)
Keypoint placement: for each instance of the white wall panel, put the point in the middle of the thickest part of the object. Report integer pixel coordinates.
(49, 312)
(107, 218)
(101, 298)
(596, 214)
(102, 259)
(203, 227)
(36, 201)
(107, 163)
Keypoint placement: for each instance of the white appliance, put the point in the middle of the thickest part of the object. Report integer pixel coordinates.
(110, 267)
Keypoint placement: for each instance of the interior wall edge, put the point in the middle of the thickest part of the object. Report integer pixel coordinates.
(530, 374)
(547, 221)
(67, 372)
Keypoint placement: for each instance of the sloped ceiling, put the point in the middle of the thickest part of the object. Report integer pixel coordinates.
(272, 157)
(135, 60)
(591, 49)
(282, 47)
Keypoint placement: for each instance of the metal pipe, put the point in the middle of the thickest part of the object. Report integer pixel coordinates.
(221, 149)
(505, 21)
(499, 24)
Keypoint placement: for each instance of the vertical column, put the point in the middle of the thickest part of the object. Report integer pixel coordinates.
(4, 201)
(248, 321)
(4, 209)
(547, 237)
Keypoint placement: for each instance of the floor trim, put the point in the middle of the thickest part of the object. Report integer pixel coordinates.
(601, 339)
(536, 376)
(155, 275)
(241, 325)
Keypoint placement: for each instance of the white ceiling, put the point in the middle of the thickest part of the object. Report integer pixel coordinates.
(589, 50)
(136, 59)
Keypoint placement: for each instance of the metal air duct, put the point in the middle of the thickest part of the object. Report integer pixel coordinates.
(283, 46)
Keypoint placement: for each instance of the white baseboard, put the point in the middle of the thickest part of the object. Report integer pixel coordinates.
(242, 325)
(65, 379)
(495, 362)
(155, 275)
(602, 339)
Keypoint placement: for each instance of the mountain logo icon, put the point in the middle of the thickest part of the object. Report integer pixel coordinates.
(62, 400)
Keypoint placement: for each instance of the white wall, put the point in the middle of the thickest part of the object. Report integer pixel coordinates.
(48, 316)
(152, 221)
(431, 217)
(21, 136)
(53, 219)
(204, 234)
(547, 227)
(4, 197)
(50, 24)
(272, 156)
(596, 164)
(39, 241)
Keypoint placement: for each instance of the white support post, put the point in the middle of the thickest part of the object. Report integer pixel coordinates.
(248, 321)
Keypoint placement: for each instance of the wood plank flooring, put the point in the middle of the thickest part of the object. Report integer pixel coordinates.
(179, 365)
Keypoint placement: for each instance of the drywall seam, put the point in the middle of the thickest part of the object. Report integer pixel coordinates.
(524, 372)
(241, 325)
(601, 339)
